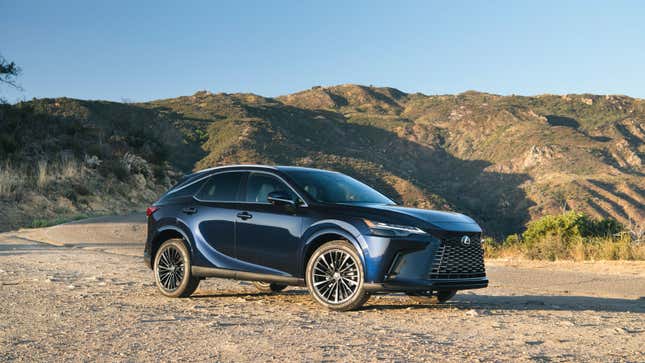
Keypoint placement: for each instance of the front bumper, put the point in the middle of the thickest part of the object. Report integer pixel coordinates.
(426, 263)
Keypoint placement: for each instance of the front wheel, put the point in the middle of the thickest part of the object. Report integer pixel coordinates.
(335, 277)
(172, 269)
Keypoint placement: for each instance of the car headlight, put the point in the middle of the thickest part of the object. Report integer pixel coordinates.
(391, 230)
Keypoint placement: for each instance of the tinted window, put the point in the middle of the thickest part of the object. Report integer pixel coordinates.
(221, 188)
(332, 187)
(188, 190)
(260, 185)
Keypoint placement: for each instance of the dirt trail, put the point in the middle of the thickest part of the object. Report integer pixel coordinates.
(86, 295)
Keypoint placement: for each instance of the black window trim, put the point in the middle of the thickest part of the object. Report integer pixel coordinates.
(246, 183)
(243, 184)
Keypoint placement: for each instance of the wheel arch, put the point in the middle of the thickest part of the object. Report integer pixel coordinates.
(164, 234)
(328, 234)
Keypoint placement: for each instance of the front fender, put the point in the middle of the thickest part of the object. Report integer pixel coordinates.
(334, 227)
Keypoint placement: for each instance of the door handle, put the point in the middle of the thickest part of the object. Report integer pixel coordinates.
(244, 215)
(189, 210)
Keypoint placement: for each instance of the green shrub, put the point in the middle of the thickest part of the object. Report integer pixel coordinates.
(569, 226)
(569, 236)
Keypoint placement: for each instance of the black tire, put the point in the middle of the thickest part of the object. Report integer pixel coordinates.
(340, 287)
(268, 287)
(429, 297)
(172, 269)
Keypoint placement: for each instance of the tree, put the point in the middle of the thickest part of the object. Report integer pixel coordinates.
(8, 72)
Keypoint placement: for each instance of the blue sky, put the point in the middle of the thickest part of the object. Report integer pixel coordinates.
(147, 50)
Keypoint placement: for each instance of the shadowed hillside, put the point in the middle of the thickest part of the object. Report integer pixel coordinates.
(503, 159)
(65, 158)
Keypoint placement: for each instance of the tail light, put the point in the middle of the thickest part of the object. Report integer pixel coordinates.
(151, 210)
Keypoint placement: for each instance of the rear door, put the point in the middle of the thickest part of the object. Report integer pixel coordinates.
(268, 235)
(215, 210)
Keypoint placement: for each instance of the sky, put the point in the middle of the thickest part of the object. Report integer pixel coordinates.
(144, 50)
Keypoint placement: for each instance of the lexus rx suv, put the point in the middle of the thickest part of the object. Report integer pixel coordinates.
(281, 226)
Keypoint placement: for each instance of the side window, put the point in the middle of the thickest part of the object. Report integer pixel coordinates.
(189, 190)
(259, 185)
(221, 188)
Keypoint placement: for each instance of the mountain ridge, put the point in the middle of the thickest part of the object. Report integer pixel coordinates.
(505, 160)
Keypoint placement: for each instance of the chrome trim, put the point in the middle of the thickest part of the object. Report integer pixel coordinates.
(287, 201)
(215, 168)
(243, 201)
(187, 185)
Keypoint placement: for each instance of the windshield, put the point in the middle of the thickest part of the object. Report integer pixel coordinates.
(332, 187)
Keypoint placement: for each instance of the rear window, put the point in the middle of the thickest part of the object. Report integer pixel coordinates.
(183, 191)
(222, 188)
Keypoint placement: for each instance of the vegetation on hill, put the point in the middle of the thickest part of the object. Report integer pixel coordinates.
(505, 160)
(61, 158)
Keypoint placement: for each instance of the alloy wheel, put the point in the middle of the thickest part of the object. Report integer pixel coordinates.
(335, 276)
(171, 267)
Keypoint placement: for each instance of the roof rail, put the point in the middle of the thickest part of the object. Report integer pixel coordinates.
(236, 166)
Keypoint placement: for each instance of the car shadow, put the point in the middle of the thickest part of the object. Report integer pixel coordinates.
(487, 304)
(494, 304)
(211, 294)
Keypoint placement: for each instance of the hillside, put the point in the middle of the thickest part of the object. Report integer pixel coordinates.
(65, 158)
(502, 159)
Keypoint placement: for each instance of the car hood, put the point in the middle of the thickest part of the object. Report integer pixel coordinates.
(430, 219)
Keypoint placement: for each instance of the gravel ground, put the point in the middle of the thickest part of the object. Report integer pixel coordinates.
(98, 302)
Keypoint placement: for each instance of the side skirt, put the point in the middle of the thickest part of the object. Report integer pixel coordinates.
(245, 276)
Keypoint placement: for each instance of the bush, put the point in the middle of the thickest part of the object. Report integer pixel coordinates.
(116, 168)
(136, 164)
(570, 236)
(569, 226)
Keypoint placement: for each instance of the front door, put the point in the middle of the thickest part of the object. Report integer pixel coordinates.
(268, 235)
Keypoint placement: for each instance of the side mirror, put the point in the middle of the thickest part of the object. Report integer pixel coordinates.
(280, 198)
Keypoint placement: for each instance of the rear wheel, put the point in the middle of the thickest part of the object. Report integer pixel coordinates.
(335, 277)
(268, 287)
(172, 269)
(430, 297)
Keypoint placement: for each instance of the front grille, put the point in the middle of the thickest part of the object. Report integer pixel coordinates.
(453, 260)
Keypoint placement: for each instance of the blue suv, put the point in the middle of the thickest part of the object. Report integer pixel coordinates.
(284, 225)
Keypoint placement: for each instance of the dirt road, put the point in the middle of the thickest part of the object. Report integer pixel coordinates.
(86, 295)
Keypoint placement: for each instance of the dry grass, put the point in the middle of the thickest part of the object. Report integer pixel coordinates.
(10, 181)
(70, 168)
(584, 249)
(42, 175)
(16, 179)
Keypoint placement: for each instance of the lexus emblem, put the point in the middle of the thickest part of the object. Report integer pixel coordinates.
(465, 240)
